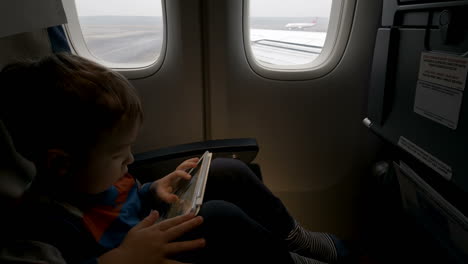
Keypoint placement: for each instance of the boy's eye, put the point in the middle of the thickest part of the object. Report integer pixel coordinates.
(119, 155)
(116, 157)
(123, 153)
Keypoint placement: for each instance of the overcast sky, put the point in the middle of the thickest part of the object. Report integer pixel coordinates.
(271, 8)
(290, 8)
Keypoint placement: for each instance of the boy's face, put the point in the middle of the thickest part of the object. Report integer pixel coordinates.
(108, 160)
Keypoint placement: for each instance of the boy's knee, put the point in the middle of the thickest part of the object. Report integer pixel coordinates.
(217, 215)
(217, 210)
(229, 166)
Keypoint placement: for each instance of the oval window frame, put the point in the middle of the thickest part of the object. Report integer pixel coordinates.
(340, 24)
(78, 45)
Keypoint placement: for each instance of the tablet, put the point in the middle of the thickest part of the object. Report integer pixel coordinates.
(191, 192)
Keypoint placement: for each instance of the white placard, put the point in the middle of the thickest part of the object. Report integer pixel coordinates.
(425, 157)
(442, 69)
(438, 103)
(439, 91)
(20, 16)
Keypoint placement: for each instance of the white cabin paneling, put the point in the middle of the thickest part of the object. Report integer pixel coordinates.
(314, 150)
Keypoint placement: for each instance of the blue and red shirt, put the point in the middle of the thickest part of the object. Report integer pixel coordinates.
(83, 234)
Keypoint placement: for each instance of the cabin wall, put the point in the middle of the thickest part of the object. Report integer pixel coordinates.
(173, 97)
(315, 154)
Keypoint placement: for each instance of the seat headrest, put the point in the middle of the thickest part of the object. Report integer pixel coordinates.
(16, 172)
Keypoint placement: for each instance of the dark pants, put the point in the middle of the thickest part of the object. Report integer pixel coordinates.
(243, 221)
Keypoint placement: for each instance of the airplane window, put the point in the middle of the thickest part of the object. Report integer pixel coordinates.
(288, 33)
(122, 33)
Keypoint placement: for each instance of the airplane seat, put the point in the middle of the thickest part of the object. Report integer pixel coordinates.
(164, 160)
(16, 172)
(418, 108)
(20, 39)
(16, 175)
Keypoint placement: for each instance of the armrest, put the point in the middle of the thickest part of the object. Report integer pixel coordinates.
(158, 163)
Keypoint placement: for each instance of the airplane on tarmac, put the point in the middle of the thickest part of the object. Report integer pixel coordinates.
(301, 26)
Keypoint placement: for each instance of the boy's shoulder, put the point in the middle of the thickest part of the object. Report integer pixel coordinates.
(51, 222)
(40, 214)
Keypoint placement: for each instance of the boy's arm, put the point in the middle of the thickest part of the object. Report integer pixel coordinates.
(160, 193)
(147, 193)
(145, 189)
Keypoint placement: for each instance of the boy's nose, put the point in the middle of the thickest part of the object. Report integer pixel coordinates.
(130, 159)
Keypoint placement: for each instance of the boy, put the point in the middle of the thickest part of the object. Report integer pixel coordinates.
(76, 120)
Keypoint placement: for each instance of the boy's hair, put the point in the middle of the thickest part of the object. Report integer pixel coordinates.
(63, 101)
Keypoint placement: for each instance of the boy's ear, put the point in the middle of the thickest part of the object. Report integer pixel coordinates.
(58, 161)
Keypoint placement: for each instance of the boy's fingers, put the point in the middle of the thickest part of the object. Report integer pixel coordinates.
(166, 224)
(182, 174)
(192, 160)
(190, 163)
(177, 174)
(178, 230)
(178, 247)
(147, 221)
(168, 197)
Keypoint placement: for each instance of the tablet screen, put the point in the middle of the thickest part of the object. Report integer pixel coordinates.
(188, 186)
(186, 193)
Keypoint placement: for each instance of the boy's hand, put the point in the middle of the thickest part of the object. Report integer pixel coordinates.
(151, 243)
(165, 186)
(188, 164)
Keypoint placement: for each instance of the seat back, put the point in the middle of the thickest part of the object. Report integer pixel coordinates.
(16, 172)
(416, 105)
